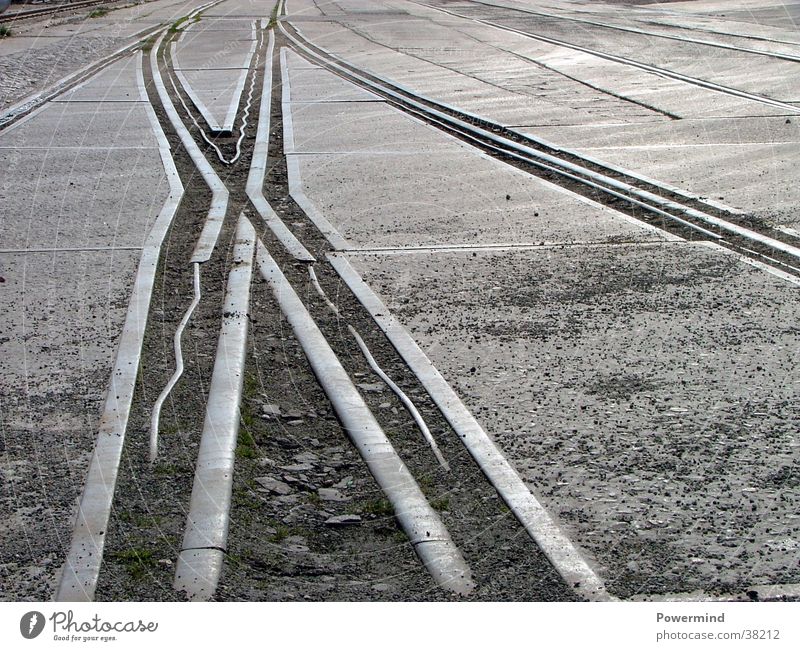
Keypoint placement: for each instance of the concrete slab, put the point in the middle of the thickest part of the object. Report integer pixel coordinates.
(543, 97)
(350, 127)
(752, 177)
(295, 61)
(456, 198)
(116, 83)
(217, 55)
(647, 394)
(86, 125)
(60, 315)
(317, 85)
(749, 72)
(562, 87)
(66, 198)
(710, 131)
(302, 8)
(231, 9)
(208, 24)
(216, 93)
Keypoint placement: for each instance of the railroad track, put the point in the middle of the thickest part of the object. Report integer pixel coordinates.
(263, 247)
(645, 32)
(49, 10)
(787, 107)
(240, 219)
(669, 208)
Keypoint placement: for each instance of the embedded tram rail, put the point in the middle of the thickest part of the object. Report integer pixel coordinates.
(203, 484)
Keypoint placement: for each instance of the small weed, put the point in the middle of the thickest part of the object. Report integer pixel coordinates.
(140, 520)
(273, 17)
(170, 429)
(166, 469)
(4, 31)
(441, 503)
(178, 24)
(244, 498)
(137, 562)
(98, 13)
(251, 385)
(282, 532)
(380, 507)
(246, 444)
(400, 537)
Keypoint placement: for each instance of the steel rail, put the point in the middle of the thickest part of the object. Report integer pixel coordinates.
(84, 558)
(205, 537)
(258, 166)
(45, 11)
(663, 72)
(373, 364)
(425, 107)
(631, 30)
(420, 522)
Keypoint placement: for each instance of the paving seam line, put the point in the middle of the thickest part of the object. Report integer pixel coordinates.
(536, 139)
(82, 566)
(655, 70)
(643, 195)
(420, 522)
(559, 549)
(205, 537)
(258, 166)
(488, 248)
(29, 106)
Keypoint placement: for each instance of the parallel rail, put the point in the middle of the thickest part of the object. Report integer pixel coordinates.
(671, 209)
(46, 11)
